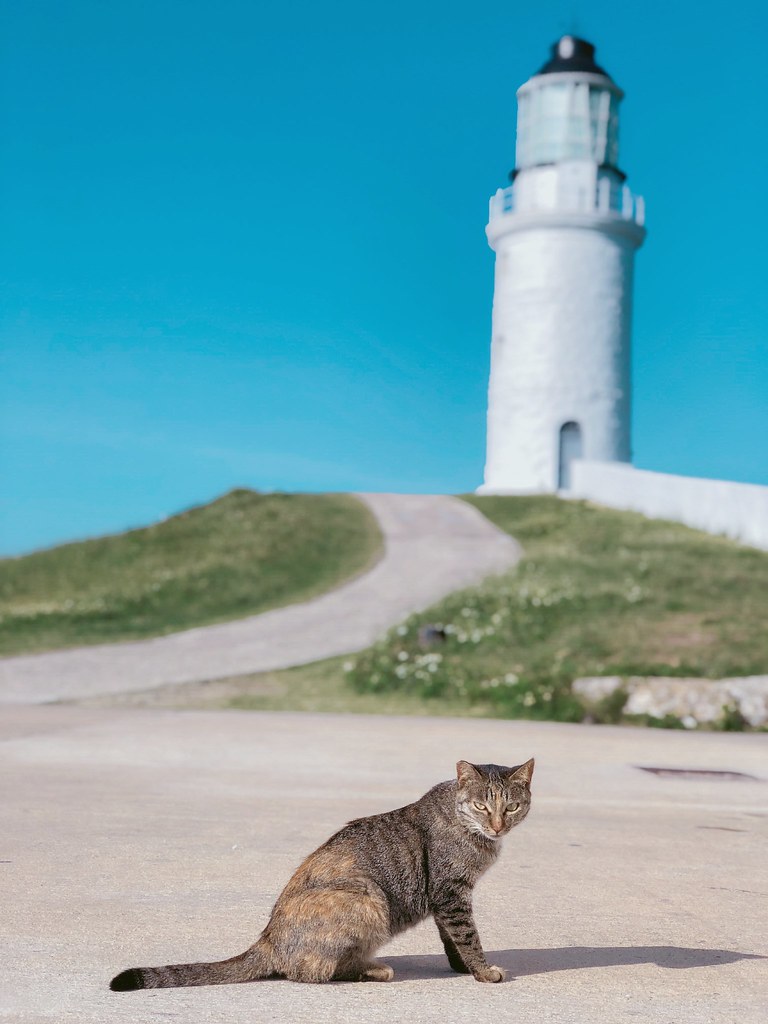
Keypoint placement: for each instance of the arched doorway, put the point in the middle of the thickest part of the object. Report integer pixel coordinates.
(569, 449)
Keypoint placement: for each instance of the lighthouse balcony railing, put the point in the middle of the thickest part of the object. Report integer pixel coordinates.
(608, 198)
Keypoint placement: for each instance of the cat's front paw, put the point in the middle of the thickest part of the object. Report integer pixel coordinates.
(491, 974)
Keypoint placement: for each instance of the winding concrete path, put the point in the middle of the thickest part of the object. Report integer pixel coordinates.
(433, 545)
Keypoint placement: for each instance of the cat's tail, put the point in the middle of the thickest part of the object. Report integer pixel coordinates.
(251, 965)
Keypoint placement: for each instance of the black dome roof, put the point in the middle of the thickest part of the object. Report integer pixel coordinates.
(570, 53)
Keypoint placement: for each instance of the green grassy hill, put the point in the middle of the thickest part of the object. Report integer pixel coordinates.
(242, 554)
(598, 593)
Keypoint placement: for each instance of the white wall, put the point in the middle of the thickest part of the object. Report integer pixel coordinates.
(717, 506)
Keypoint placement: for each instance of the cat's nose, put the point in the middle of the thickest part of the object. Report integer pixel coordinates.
(496, 827)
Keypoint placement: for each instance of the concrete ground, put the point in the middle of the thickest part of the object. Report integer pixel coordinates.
(135, 838)
(433, 545)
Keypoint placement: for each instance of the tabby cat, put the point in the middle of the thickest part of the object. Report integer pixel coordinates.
(374, 878)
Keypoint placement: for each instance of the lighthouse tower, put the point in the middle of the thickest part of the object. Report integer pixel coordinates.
(565, 235)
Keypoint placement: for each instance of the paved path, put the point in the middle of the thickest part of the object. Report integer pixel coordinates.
(433, 545)
(142, 837)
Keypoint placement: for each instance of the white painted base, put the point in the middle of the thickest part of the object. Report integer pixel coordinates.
(509, 491)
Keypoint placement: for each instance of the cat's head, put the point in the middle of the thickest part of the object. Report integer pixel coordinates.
(492, 799)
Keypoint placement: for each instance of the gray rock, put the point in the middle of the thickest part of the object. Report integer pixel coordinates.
(693, 701)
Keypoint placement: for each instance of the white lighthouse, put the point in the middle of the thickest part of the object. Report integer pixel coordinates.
(565, 234)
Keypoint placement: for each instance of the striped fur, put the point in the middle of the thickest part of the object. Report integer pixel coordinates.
(374, 878)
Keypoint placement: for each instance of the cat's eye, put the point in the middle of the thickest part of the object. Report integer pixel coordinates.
(479, 806)
(512, 807)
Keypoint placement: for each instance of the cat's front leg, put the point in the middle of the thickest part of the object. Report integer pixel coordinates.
(453, 916)
(454, 958)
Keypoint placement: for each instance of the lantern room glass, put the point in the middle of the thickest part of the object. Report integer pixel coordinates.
(567, 121)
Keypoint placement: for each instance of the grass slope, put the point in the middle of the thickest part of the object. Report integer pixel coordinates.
(598, 593)
(242, 554)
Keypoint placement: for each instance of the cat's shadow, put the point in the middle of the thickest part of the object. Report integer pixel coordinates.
(521, 962)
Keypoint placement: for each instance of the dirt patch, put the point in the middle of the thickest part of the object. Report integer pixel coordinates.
(676, 637)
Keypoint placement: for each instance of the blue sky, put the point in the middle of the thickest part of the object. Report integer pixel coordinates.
(242, 244)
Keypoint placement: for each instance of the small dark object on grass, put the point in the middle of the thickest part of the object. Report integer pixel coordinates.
(430, 635)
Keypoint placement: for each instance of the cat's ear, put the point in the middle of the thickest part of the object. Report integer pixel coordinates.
(466, 772)
(524, 773)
